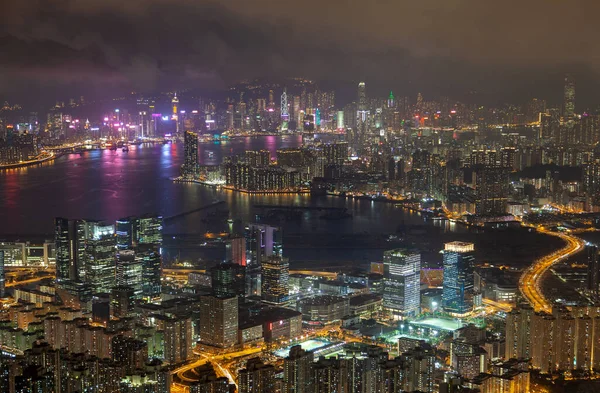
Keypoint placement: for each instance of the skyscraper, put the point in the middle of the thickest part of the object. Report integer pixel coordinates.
(285, 112)
(235, 250)
(297, 371)
(175, 115)
(124, 231)
(362, 96)
(419, 364)
(228, 279)
(63, 243)
(593, 274)
(457, 295)
(257, 377)
(491, 191)
(2, 276)
(190, 153)
(129, 271)
(274, 281)
(151, 272)
(569, 100)
(97, 241)
(262, 241)
(401, 282)
(219, 321)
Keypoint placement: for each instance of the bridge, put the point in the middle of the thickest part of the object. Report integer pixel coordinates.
(183, 214)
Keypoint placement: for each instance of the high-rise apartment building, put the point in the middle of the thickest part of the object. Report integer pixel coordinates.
(297, 371)
(257, 377)
(219, 321)
(190, 155)
(457, 295)
(401, 285)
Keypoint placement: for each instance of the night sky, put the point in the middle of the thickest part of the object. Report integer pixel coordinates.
(503, 50)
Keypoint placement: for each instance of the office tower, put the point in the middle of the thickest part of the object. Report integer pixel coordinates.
(121, 301)
(401, 282)
(491, 191)
(297, 371)
(593, 273)
(569, 100)
(285, 112)
(190, 155)
(457, 295)
(175, 115)
(228, 279)
(2, 275)
(63, 241)
(235, 250)
(149, 231)
(219, 321)
(419, 363)
(96, 246)
(362, 96)
(274, 282)
(125, 232)
(151, 272)
(257, 377)
(129, 271)
(178, 339)
(262, 241)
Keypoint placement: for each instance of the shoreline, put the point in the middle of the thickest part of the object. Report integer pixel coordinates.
(30, 163)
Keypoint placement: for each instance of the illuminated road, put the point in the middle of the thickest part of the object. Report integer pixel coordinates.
(495, 306)
(529, 283)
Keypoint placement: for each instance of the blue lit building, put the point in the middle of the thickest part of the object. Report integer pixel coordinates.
(457, 294)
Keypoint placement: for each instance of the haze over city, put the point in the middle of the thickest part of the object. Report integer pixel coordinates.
(314, 197)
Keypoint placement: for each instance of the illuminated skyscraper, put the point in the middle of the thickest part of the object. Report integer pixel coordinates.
(285, 113)
(219, 321)
(274, 282)
(96, 243)
(362, 97)
(228, 279)
(175, 115)
(262, 241)
(569, 103)
(129, 271)
(457, 295)
(151, 271)
(124, 230)
(64, 237)
(401, 285)
(492, 190)
(190, 155)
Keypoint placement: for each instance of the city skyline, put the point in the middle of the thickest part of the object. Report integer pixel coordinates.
(274, 197)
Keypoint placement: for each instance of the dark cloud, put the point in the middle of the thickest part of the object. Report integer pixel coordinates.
(507, 48)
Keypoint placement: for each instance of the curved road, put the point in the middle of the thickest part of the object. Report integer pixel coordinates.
(529, 283)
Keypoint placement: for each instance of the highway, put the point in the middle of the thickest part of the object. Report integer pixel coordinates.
(530, 280)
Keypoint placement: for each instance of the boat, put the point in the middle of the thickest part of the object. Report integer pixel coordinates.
(125, 149)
